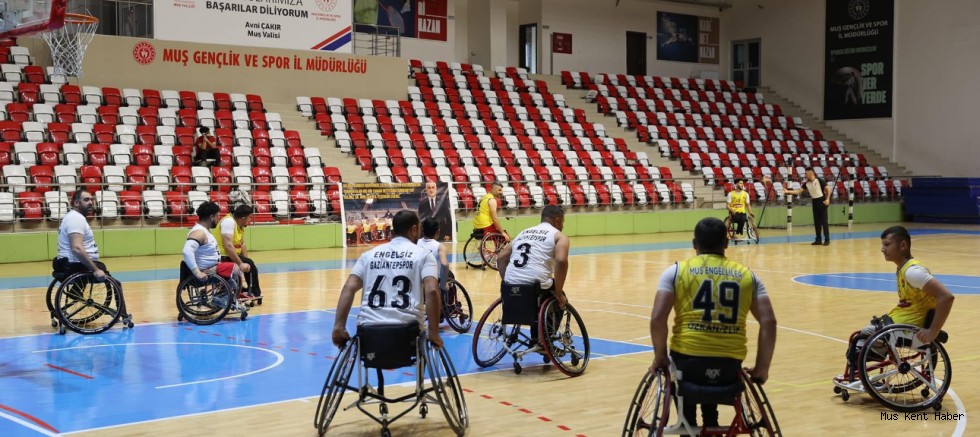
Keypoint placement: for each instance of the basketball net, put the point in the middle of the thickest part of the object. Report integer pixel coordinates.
(69, 42)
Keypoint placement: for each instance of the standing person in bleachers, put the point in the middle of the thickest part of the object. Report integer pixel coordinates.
(230, 234)
(539, 255)
(398, 274)
(819, 192)
(739, 206)
(486, 219)
(206, 149)
(433, 205)
(711, 297)
(77, 250)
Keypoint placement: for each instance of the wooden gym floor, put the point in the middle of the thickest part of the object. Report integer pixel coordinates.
(611, 282)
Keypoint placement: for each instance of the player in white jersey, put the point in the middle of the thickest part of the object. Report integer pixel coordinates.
(201, 249)
(539, 255)
(393, 275)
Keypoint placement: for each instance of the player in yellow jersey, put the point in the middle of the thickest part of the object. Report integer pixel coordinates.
(230, 234)
(919, 293)
(486, 219)
(739, 206)
(711, 297)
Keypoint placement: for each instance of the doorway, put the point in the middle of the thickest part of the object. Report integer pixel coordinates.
(529, 47)
(636, 53)
(747, 62)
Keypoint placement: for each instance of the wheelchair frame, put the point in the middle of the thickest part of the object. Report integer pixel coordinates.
(459, 318)
(751, 230)
(650, 417)
(204, 295)
(64, 322)
(880, 361)
(518, 344)
(446, 388)
(478, 256)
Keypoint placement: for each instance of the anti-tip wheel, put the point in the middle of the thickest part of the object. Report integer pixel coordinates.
(423, 410)
(244, 315)
(844, 395)
(837, 390)
(518, 368)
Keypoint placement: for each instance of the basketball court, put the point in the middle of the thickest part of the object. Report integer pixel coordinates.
(264, 374)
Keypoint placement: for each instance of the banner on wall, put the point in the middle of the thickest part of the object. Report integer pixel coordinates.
(687, 38)
(561, 43)
(422, 19)
(858, 64)
(287, 24)
(369, 208)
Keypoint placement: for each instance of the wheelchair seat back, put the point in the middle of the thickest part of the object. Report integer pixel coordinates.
(477, 234)
(722, 394)
(520, 303)
(59, 268)
(389, 346)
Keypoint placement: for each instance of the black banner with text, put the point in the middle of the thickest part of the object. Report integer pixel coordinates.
(858, 67)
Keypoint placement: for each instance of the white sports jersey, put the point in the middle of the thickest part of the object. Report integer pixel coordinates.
(392, 274)
(532, 258)
(206, 255)
(430, 245)
(76, 223)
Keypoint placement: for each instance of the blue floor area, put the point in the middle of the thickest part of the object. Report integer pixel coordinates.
(886, 282)
(302, 266)
(73, 382)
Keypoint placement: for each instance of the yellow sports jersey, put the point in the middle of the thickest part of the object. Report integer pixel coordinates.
(482, 218)
(236, 239)
(712, 297)
(738, 200)
(913, 303)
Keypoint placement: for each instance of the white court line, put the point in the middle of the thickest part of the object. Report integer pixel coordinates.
(279, 358)
(27, 424)
(617, 312)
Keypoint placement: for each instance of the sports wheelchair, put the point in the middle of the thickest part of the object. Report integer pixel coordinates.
(77, 301)
(897, 369)
(457, 309)
(482, 248)
(751, 231)
(209, 301)
(389, 347)
(650, 409)
(519, 323)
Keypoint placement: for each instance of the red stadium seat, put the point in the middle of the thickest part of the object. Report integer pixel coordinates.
(130, 204)
(42, 176)
(31, 205)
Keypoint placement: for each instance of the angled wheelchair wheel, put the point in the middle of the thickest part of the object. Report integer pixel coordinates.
(335, 386)
(649, 410)
(471, 253)
(87, 306)
(730, 227)
(751, 231)
(491, 335)
(490, 247)
(565, 339)
(757, 413)
(49, 300)
(903, 373)
(449, 392)
(204, 303)
(457, 307)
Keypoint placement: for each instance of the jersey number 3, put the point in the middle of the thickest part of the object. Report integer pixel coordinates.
(524, 251)
(708, 299)
(377, 298)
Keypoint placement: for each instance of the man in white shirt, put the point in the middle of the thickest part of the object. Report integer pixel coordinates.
(201, 255)
(819, 193)
(76, 242)
(393, 275)
(539, 255)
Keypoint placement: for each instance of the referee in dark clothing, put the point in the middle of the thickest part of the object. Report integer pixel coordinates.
(819, 193)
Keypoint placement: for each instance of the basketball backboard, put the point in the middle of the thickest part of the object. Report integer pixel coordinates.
(25, 17)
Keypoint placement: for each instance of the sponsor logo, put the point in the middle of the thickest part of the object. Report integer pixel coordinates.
(326, 5)
(144, 53)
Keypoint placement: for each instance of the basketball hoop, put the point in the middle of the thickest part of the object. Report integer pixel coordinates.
(69, 42)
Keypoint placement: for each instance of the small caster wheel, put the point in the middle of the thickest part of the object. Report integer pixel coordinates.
(129, 324)
(61, 330)
(545, 358)
(180, 317)
(54, 323)
(938, 406)
(837, 390)
(844, 395)
(518, 368)
(259, 301)
(244, 315)
(384, 409)
(423, 410)
(250, 303)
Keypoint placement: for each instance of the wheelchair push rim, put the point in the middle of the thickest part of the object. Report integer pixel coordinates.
(458, 314)
(471, 253)
(81, 304)
(492, 334)
(335, 385)
(204, 303)
(449, 391)
(566, 349)
(649, 409)
(904, 374)
(490, 247)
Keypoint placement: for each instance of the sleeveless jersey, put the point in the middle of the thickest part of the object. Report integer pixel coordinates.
(737, 200)
(482, 218)
(431, 245)
(712, 297)
(236, 240)
(206, 254)
(392, 274)
(913, 303)
(532, 257)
